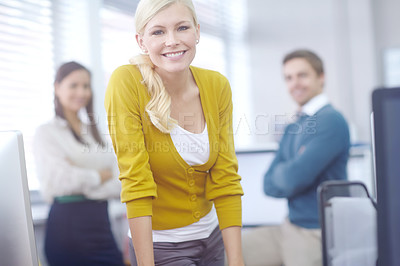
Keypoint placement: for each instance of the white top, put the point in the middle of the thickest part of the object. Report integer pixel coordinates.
(67, 167)
(315, 104)
(194, 149)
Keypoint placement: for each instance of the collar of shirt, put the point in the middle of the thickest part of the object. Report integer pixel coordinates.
(85, 128)
(315, 104)
(60, 121)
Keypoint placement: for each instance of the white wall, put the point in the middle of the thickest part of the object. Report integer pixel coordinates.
(340, 31)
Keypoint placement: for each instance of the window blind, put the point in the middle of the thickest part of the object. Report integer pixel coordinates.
(36, 36)
(71, 31)
(26, 68)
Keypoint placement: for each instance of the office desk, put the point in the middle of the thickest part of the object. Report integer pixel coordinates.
(258, 208)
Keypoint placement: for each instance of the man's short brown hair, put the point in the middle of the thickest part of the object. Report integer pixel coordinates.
(314, 60)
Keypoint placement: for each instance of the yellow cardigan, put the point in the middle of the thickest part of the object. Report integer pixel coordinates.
(155, 179)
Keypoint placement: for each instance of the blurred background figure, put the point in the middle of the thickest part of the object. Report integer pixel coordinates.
(78, 174)
(313, 149)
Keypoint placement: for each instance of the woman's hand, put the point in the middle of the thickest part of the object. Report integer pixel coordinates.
(105, 175)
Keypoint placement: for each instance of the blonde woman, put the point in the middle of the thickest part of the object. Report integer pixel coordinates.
(171, 127)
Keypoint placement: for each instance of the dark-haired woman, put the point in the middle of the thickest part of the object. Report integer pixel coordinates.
(78, 174)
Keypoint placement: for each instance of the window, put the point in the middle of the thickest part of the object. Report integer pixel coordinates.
(118, 39)
(391, 59)
(26, 54)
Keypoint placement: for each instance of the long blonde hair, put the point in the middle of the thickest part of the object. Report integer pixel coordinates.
(159, 106)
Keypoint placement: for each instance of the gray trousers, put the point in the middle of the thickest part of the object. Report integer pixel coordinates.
(203, 252)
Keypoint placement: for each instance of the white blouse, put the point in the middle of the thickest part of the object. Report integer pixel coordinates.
(67, 167)
(193, 148)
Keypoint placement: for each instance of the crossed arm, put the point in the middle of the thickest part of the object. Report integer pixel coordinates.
(288, 177)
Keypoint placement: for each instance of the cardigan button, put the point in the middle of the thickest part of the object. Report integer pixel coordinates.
(193, 197)
(196, 214)
(191, 182)
(190, 170)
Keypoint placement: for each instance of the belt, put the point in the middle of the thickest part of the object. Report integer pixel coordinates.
(70, 198)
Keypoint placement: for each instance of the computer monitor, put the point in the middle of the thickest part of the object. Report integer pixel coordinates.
(386, 111)
(258, 208)
(17, 241)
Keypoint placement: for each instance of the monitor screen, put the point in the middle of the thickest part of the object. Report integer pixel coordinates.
(386, 109)
(17, 241)
(258, 208)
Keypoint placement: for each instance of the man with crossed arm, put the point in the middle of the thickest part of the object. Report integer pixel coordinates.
(314, 149)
